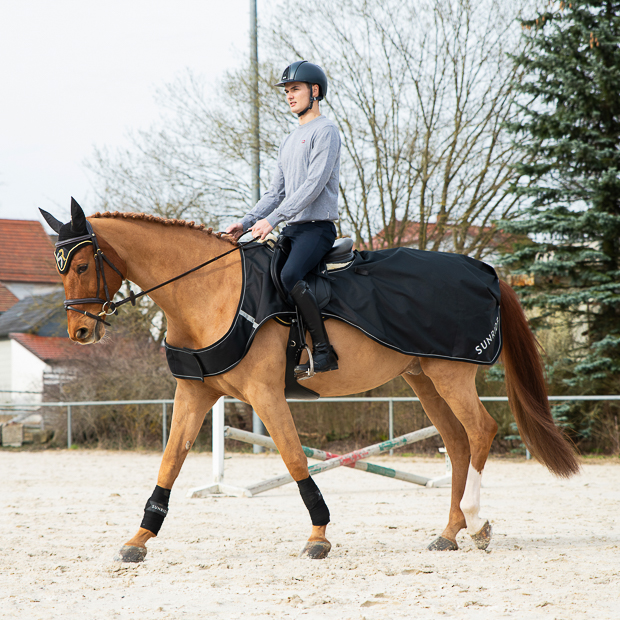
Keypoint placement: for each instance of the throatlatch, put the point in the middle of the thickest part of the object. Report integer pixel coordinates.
(156, 510)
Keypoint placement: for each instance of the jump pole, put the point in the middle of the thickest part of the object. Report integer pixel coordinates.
(349, 459)
(321, 455)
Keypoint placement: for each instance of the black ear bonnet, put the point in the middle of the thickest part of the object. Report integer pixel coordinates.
(71, 236)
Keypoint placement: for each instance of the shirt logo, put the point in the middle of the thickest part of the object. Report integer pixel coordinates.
(302, 141)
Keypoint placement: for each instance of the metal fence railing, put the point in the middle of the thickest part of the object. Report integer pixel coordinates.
(390, 400)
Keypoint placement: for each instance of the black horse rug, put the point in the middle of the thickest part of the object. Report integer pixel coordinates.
(426, 304)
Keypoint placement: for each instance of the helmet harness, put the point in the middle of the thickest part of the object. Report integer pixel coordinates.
(312, 100)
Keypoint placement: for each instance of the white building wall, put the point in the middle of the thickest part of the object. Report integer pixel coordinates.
(27, 374)
(21, 290)
(5, 370)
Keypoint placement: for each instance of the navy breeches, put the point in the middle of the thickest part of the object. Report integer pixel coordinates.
(310, 241)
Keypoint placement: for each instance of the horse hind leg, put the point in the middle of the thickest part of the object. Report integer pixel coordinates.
(457, 446)
(455, 382)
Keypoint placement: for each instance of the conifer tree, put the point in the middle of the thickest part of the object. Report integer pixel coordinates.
(570, 123)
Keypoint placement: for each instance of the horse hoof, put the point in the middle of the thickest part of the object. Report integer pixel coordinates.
(131, 554)
(316, 549)
(483, 538)
(443, 544)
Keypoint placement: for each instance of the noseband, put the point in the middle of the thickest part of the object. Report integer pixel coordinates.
(109, 307)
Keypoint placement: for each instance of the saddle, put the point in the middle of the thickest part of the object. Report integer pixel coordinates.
(318, 279)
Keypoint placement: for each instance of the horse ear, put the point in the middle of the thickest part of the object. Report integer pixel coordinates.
(55, 225)
(78, 219)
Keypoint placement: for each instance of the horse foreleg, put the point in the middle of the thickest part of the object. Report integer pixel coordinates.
(192, 400)
(455, 382)
(455, 440)
(278, 421)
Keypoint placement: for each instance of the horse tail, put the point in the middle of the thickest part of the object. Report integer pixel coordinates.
(527, 392)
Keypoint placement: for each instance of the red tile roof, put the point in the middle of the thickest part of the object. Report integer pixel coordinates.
(7, 299)
(411, 236)
(48, 349)
(26, 253)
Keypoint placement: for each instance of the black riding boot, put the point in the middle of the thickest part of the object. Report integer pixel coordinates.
(323, 354)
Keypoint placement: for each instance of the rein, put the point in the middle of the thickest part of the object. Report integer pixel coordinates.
(110, 307)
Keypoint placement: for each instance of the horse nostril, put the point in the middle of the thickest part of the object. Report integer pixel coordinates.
(81, 333)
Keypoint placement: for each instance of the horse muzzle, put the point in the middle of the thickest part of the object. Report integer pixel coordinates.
(85, 334)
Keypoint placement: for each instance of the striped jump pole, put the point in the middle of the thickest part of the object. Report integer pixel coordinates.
(321, 455)
(332, 461)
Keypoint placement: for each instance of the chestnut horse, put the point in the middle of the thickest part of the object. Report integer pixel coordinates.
(200, 309)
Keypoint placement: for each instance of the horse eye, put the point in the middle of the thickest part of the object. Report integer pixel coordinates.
(81, 269)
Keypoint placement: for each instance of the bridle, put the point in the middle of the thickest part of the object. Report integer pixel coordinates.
(109, 307)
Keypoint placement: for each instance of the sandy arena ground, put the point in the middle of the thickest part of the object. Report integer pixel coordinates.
(555, 552)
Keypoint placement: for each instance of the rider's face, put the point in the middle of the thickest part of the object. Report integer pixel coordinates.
(297, 96)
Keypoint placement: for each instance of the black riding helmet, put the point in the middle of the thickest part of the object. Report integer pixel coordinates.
(304, 71)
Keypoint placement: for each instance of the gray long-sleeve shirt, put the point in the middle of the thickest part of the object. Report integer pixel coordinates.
(305, 184)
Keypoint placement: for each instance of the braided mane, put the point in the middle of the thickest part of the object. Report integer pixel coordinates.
(146, 217)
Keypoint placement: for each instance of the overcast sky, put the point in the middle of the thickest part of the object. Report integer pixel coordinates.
(75, 73)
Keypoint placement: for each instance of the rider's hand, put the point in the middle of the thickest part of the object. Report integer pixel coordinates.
(261, 229)
(235, 230)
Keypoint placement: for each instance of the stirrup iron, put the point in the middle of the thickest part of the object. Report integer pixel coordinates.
(308, 374)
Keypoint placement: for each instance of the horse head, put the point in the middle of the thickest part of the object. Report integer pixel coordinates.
(89, 277)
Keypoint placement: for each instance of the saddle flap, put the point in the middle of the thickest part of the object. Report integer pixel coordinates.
(292, 389)
(280, 254)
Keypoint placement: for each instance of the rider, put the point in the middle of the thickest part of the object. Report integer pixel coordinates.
(304, 194)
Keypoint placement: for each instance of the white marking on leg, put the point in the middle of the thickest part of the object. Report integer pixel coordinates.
(470, 504)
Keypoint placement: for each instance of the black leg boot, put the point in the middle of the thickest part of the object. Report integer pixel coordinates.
(323, 354)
